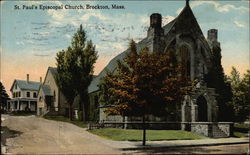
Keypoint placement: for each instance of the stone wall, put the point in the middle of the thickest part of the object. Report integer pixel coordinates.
(226, 127)
(200, 128)
(213, 129)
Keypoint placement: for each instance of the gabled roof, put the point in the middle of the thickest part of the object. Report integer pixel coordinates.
(46, 90)
(112, 64)
(53, 70)
(143, 43)
(25, 85)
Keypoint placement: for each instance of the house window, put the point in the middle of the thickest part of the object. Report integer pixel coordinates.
(14, 95)
(19, 94)
(28, 94)
(34, 95)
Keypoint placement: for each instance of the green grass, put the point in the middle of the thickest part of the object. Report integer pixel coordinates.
(240, 130)
(240, 134)
(151, 135)
(64, 119)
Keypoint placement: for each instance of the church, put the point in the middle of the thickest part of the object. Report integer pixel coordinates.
(199, 111)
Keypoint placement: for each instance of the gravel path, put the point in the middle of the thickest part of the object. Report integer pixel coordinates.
(41, 136)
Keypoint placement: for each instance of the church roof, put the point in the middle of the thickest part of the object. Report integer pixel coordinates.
(112, 65)
(141, 44)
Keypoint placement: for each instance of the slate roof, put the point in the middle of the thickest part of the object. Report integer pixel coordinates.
(24, 85)
(46, 90)
(53, 70)
(112, 64)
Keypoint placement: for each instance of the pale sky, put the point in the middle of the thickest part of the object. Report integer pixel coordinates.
(31, 38)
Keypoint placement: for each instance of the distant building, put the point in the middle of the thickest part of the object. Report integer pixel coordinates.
(50, 98)
(24, 95)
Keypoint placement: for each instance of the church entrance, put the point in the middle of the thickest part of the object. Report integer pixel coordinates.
(202, 109)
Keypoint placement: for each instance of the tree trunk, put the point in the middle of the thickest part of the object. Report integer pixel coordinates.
(144, 131)
(70, 111)
(83, 112)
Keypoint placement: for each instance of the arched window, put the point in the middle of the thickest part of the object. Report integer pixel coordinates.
(185, 61)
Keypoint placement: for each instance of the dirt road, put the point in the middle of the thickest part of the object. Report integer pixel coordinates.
(31, 135)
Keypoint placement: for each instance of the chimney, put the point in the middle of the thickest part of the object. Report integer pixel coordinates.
(155, 20)
(28, 77)
(41, 79)
(155, 28)
(212, 35)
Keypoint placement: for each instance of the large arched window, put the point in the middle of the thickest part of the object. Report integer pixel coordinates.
(185, 58)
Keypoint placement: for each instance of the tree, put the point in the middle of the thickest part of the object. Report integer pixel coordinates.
(66, 76)
(86, 58)
(144, 83)
(240, 88)
(3, 96)
(75, 69)
(217, 79)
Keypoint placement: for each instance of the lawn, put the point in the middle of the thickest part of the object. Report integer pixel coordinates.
(64, 119)
(151, 135)
(240, 130)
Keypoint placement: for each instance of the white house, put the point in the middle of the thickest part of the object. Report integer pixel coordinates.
(24, 95)
(50, 98)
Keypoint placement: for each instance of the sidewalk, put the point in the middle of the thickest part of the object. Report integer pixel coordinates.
(179, 143)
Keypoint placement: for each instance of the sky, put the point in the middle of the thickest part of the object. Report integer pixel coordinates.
(30, 38)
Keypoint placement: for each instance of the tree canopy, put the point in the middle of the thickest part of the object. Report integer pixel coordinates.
(216, 79)
(241, 94)
(75, 69)
(86, 58)
(144, 83)
(3, 96)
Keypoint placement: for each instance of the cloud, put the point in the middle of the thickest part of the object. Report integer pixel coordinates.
(67, 36)
(238, 24)
(20, 43)
(42, 33)
(56, 14)
(219, 7)
(96, 14)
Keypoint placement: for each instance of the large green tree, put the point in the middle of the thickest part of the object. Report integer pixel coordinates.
(66, 76)
(241, 94)
(86, 58)
(75, 70)
(216, 79)
(3, 96)
(144, 83)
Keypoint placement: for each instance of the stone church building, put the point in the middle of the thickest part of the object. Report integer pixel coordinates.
(198, 111)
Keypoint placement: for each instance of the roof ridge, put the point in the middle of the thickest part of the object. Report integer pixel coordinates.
(27, 81)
